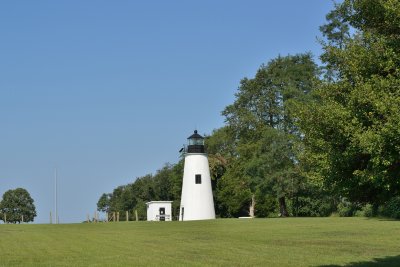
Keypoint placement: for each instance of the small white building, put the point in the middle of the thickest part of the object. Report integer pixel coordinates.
(159, 211)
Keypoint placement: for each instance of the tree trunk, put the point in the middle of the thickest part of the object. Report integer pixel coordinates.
(282, 207)
(252, 206)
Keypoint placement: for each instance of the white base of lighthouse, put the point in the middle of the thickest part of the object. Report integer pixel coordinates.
(197, 201)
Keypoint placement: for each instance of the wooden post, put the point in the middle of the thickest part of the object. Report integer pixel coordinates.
(51, 218)
(114, 216)
(5, 218)
(136, 215)
(88, 219)
(22, 218)
(127, 214)
(117, 216)
(106, 216)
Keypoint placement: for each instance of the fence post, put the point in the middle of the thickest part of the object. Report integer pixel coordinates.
(136, 215)
(5, 218)
(114, 218)
(117, 216)
(22, 218)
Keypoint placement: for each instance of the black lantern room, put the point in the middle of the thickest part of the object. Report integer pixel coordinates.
(195, 143)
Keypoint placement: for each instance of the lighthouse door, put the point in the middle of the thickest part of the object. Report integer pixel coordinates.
(162, 214)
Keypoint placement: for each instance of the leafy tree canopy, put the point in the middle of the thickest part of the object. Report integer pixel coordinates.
(261, 121)
(18, 205)
(352, 130)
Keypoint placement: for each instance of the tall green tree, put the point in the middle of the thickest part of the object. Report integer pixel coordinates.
(351, 131)
(18, 206)
(263, 175)
(262, 114)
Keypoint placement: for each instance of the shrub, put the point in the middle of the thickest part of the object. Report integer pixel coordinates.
(368, 210)
(392, 208)
(345, 208)
(312, 201)
(312, 207)
(381, 210)
(365, 211)
(359, 213)
(266, 206)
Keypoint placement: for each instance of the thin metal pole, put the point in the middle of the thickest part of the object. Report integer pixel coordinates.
(55, 197)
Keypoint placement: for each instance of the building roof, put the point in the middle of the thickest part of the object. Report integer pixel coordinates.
(195, 136)
(166, 201)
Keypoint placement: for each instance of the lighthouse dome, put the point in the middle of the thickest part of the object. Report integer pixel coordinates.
(195, 143)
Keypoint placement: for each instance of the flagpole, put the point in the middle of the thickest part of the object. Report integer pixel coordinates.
(55, 197)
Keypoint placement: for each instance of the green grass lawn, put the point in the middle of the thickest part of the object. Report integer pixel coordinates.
(224, 242)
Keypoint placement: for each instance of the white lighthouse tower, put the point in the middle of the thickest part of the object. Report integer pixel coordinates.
(197, 199)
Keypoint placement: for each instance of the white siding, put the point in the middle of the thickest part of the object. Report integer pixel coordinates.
(197, 199)
(153, 210)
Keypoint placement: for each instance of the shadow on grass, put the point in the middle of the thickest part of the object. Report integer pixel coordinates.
(390, 261)
(382, 218)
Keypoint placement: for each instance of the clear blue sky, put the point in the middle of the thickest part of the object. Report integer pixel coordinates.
(108, 91)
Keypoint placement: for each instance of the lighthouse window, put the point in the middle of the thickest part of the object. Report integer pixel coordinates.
(198, 178)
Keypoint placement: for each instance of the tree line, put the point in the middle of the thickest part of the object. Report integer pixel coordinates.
(302, 139)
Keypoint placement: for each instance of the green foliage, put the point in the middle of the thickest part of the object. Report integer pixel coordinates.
(366, 211)
(164, 185)
(104, 203)
(17, 203)
(351, 130)
(336, 30)
(266, 99)
(266, 202)
(141, 210)
(260, 124)
(220, 146)
(391, 208)
(221, 142)
(263, 168)
(312, 201)
(306, 206)
(232, 196)
(345, 208)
